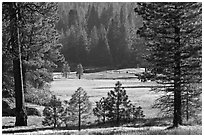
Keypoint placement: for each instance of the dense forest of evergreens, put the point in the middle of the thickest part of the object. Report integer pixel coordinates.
(100, 34)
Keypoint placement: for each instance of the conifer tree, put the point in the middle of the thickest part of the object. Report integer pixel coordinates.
(14, 20)
(119, 102)
(79, 106)
(36, 41)
(101, 109)
(53, 112)
(65, 69)
(79, 70)
(172, 33)
(93, 42)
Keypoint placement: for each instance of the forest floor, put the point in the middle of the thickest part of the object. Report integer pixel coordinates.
(97, 85)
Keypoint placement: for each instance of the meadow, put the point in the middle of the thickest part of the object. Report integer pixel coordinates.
(97, 85)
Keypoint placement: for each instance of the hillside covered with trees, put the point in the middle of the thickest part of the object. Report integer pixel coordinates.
(100, 34)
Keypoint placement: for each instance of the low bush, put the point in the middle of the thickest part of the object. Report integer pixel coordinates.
(38, 96)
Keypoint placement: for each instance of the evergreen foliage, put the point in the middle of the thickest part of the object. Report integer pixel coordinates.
(101, 109)
(116, 107)
(79, 106)
(40, 49)
(30, 29)
(79, 70)
(53, 112)
(106, 34)
(172, 33)
(65, 70)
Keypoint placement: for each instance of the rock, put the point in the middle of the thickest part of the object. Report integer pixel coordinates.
(30, 111)
(7, 107)
(33, 111)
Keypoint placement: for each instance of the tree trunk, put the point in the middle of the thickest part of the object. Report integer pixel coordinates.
(79, 124)
(55, 116)
(177, 81)
(187, 113)
(118, 114)
(21, 116)
(24, 77)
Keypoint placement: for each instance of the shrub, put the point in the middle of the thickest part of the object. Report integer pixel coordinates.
(38, 96)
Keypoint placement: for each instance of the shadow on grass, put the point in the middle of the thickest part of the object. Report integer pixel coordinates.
(146, 86)
(149, 122)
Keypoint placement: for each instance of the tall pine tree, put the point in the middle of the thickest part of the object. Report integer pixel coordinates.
(32, 41)
(79, 106)
(173, 36)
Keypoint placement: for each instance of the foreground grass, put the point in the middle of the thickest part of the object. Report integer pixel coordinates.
(183, 130)
(153, 131)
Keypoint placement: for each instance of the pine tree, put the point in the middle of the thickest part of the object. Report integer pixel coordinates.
(101, 109)
(118, 99)
(65, 69)
(53, 112)
(79, 70)
(173, 35)
(14, 18)
(36, 41)
(102, 50)
(79, 106)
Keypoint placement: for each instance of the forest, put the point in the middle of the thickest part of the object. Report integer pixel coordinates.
(100, 34)
(60, 62)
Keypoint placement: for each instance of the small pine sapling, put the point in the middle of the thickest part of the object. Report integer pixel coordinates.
(52, 112)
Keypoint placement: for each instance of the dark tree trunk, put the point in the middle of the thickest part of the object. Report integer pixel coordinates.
(177, 81)
(187, 113)
(79, 122)
(21, 116)
(118, 113)
(55, 116)
(104, 117)
(24, 77)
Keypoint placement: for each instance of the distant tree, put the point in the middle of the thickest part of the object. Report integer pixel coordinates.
(102, 50)
(117, 40)
(92, 18)
(79, 70)
(65, 70)
(93, 42)
(53, 112)
(79, 106)
(172, 33)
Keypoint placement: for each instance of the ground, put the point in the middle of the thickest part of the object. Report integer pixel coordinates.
(97, 85)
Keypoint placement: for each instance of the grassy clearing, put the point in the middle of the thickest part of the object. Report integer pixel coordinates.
(92, 83)
(97, 85)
